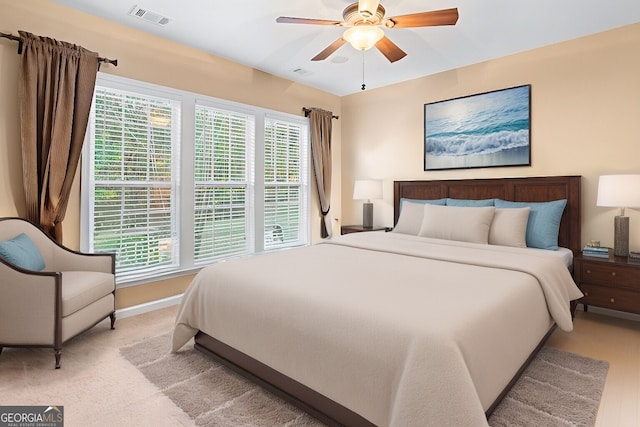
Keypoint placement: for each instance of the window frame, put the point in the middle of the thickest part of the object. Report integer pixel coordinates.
(186, 180)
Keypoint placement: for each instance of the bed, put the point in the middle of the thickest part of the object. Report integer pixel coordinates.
(397, 329)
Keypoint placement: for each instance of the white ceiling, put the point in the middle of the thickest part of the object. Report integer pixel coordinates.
(245, 31)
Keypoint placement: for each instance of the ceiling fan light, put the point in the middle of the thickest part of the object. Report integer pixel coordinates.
(363, 37)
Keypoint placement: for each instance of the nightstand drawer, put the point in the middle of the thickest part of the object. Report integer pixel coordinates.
(608, 275)
(616, 299)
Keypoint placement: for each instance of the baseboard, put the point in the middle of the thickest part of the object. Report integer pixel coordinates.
(148, 306)
(612, 313)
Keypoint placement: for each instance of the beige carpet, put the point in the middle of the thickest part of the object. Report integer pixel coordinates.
(209, 392)
(557, 389)
(96, 385)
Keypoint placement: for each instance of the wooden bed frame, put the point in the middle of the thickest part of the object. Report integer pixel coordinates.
(533, 189)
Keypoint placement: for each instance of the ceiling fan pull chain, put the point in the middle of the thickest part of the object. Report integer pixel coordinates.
(363, 85)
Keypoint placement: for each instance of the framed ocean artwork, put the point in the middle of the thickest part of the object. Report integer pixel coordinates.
(490, 129)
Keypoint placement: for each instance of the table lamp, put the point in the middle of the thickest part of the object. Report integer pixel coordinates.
(619, 191)
(367, 189)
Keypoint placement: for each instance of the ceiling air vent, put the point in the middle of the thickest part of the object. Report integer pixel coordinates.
(300, 71)
(149, 16)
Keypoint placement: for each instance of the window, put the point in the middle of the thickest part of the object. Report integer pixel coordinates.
(285, 202)
(174, 180)
(221, 183)
(133, 190)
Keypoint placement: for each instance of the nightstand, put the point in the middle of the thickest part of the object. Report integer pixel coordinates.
(346, 229)
(608, 282)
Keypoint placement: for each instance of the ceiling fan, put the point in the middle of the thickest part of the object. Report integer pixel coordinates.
(365, 21)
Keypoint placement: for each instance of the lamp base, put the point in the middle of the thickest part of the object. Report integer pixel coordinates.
(367, 215)
(621, 236)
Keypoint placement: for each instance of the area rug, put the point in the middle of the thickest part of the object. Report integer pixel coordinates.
(557, 389)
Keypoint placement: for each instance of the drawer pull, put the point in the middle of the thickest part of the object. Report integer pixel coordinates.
(613, 300)
(588, 271)
(586, 294)
(613, 273)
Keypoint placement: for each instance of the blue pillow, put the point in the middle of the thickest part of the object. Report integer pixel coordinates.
(544, 221)
(470, 202)
(21, 251)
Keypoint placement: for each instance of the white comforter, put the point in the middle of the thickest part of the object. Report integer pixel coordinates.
(403, 330)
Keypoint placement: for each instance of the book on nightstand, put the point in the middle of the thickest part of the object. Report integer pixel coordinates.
(596, 251)
(633, 257)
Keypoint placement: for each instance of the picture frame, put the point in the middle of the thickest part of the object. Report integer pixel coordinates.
(489, 129)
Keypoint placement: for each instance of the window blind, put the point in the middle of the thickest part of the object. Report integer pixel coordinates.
(133, 181)
(285, 213)
(223, 140)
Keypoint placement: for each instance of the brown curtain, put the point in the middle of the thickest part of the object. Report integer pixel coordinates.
(320, 123)
(56, 89)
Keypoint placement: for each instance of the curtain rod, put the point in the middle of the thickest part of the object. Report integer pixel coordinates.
(308, 110)
(114, 62)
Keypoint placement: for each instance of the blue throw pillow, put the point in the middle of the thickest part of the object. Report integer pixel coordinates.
(470, 202)
(544, 221)
(21, 251)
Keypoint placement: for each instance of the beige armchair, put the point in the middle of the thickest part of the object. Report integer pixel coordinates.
(46, 308)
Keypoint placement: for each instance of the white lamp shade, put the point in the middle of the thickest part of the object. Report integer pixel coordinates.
(363, 37)
(367, 189)
(619, 191)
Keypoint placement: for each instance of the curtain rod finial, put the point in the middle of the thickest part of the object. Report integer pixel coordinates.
(308, 110)
(113, 62)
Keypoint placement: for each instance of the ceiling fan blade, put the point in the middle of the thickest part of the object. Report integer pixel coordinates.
(389, 49)
(329, 50)
(289, 20)
(426, 19)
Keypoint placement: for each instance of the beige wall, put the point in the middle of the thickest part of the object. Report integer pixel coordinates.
(143, 57)
(585, 120)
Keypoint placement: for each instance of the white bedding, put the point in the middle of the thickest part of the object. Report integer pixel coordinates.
(401, 329)
(565, 254)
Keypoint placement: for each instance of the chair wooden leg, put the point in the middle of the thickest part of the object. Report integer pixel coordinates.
(113, 320)
(58, 353)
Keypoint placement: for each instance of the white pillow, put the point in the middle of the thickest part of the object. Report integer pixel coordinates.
(509, 227)
(464, 224)
(410, 218)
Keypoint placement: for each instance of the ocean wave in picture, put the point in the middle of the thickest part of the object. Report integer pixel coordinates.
(464, 145)
(489, 129)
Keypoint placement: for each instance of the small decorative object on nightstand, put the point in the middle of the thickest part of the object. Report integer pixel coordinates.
(634, 257)
(612, 282)
(346, 229)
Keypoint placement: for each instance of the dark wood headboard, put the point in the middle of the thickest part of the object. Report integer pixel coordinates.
(530, 189)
